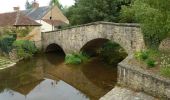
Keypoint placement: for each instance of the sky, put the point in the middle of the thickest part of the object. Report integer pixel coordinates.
(7, 5)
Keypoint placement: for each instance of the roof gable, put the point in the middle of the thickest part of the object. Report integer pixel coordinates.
(16, 19)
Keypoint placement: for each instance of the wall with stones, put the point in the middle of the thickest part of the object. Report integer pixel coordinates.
(137, 78)
(129, 36)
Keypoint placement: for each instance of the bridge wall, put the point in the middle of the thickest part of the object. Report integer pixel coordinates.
(141, 80)
(129, 36)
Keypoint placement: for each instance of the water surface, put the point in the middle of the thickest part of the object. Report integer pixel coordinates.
(47, 77)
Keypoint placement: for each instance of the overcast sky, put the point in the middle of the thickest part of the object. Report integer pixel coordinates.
(7, 5)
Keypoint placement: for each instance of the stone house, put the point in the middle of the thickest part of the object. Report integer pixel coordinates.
(50, 17)
(17, 21)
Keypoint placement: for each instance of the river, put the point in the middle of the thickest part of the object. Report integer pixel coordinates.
(47, 77)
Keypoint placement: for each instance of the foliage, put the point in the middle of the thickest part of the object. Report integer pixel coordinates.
(127, 15)
(25, 48)
(28, 5)
(148, 56)
(112, 53)
(150, 63)
(22, 32)
(85, 11)
(165, 65)
(6, 42)
(57, 3)
(165, 71)
(142, 55)
(76, 58)
(154, 18)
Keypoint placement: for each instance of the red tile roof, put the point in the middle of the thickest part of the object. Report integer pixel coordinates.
(16, 19)
(54, 22)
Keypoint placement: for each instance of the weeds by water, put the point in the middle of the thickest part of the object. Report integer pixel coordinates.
(76, 58)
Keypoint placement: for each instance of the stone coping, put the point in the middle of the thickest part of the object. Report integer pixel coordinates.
(97, 23)
(137, 69)
(121, 93)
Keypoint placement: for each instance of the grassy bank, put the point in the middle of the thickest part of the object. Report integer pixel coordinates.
(155, 60)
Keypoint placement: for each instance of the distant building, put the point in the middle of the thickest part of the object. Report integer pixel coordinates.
(16, 20)
(51, 18)
(38, 19)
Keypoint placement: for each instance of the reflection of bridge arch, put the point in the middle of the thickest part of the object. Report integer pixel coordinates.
(128, 36)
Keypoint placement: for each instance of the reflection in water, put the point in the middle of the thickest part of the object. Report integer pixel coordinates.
(46, 90)
(46, 77)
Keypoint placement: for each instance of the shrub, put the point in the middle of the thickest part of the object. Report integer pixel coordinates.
(153, 17)
(142, 55)
(22, 32)
(6, 42)
(72, 59)
(25, 48)
(76, 58)
(148, 56)
(150, 63)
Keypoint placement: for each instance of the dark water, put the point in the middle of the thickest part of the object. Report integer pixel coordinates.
(46, 77)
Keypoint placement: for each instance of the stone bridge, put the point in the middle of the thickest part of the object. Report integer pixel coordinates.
(73, 39)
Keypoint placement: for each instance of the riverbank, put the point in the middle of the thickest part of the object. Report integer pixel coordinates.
(6, 63)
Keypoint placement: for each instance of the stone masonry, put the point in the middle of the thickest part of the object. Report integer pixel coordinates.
(141, 80)
(128, 36)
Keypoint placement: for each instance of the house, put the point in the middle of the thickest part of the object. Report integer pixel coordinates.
(50, 17)
(17, 21)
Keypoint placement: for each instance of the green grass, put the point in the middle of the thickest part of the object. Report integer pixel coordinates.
(148, 56)
(165, 71)
(76, 58)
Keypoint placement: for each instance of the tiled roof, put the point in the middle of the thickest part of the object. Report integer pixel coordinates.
(16, 19)
(54, 22)
(36, 13)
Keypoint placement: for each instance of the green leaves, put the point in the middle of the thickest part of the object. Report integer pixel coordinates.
(85, 11)
(6, 43)
(154, 17)
(76, 58)
(25, 48)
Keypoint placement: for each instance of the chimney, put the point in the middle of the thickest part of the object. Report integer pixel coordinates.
(16, 8)
(35, 4)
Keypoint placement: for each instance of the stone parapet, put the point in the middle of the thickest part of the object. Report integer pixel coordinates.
(137, 78)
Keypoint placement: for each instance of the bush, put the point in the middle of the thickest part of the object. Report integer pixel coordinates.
(150, 63)
(76, 58)
(72, 59)
(142, 55)
(22, 32)
(25, 48)
(153, 17)
(6, 42)
(148, 56)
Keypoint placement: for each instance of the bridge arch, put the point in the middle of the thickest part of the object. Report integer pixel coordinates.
(53, 47)
(91, 46)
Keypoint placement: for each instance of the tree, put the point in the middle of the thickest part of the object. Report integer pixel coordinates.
(28, 5)
(56, 2)
(154, 17)
(85, 11)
